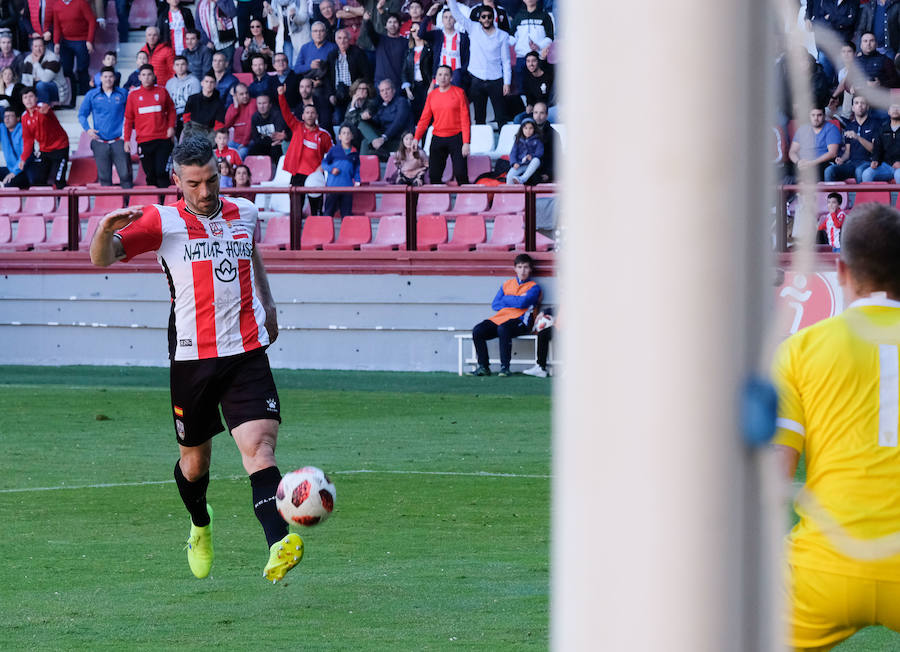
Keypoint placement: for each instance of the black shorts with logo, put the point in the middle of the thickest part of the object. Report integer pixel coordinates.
(242, 384)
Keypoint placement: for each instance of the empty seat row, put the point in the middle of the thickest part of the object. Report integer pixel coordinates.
(355, 232)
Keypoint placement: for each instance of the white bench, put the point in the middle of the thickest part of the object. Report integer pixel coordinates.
(530, 361)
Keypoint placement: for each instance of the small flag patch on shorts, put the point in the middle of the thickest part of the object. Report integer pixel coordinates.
(178, 411)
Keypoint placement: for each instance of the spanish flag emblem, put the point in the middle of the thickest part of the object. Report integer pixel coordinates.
(178, 411)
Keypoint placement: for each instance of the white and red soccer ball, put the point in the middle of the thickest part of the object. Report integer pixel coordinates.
(305, 496)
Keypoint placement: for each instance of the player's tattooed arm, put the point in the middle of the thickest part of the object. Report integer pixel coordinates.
(105, 247)
(265, 295)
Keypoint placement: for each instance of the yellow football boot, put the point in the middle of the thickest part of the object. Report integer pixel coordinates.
(283, 556)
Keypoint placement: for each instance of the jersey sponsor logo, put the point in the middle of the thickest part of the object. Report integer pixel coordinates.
(216, 229)
(215, 249)
(310, 143)
(156, 108)
(186, 342)
(226, 271)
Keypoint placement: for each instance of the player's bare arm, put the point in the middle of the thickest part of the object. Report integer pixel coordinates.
(788, 459)
(265, 295)
(105, 248)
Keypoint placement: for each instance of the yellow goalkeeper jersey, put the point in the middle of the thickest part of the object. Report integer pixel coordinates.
(839, 403)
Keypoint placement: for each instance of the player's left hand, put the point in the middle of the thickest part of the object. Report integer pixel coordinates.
(272, 324)
(465, 149)
(506, 89)
(89, 46)
(121, 217)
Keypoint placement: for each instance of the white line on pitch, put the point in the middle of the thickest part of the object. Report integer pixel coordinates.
(108, 485)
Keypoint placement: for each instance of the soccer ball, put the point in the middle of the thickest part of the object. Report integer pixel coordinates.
(305, 496)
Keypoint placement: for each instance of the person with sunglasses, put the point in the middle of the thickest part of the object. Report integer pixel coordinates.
(489, 64)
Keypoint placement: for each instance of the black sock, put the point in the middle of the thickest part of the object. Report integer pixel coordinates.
(193, 495)
(264, 483)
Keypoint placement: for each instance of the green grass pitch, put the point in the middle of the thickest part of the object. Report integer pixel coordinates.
(440, 536)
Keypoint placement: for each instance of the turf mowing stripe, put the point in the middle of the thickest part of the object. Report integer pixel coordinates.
(477, 474)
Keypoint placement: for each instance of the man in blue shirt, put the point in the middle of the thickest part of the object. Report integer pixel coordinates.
(107, 105)
(11, 142)
(314, 54)
(859, 134)
(816, 144)
(383, 131)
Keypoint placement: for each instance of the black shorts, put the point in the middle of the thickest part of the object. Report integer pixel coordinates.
(241, 384)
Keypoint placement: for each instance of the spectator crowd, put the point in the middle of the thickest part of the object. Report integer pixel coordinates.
(312, 84)
(843, 137)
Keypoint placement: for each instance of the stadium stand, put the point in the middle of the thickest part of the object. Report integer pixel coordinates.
(5, 229)
(391, 204)
(433, 203)
(278, 233)
(506, 203)
(31, 230)
(469, 204)
(59, 235)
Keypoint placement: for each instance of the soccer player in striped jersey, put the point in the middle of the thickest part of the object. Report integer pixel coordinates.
(223, 318)
(839, 393)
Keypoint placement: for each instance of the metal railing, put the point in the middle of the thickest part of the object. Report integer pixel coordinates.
(74, 193)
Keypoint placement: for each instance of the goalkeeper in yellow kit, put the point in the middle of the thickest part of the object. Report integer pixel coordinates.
(839, 403)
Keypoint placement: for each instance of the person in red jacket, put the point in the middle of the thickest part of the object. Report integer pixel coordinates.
(74, 25)
(448, 105)
(39, 125)
(161, 55)
(150, 112)
(308, 147)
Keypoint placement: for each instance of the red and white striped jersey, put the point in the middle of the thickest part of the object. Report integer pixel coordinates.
(208, 261)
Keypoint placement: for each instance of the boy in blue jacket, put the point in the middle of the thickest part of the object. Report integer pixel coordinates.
(342, 164)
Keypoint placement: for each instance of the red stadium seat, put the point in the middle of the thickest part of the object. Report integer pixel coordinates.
(103, 204)
(391, 204)
(10, 205)
(278, 233)
(59, 235)
(82, 171)
(431, 231)
(509, 230)
(369, 168)
(142, 14)
(92, 224)
(478, 165)
(468, 231)
(363, 202)
(391, 234)
(244, 77)
(142, 200)
(37, 205)
(318, 230)
(875, 195)
(469, 204)
(260, 168)
(84, 147)
(5, 229)
(32, 230)
(433, 204)
(506, 203)
(355, 231)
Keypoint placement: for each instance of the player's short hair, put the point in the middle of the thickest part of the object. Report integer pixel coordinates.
(255, 56)
(27, 90)
(393, 14)
(533, 54)
(835, 195)
(444, 65)
(112, 53)
(486, 8)
(9, 109)
(193, 150)
(524, 258)
(146, 66)
(180, 57)
(870, 247)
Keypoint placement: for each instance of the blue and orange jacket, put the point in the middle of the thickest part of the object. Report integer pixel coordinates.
(515, 300)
